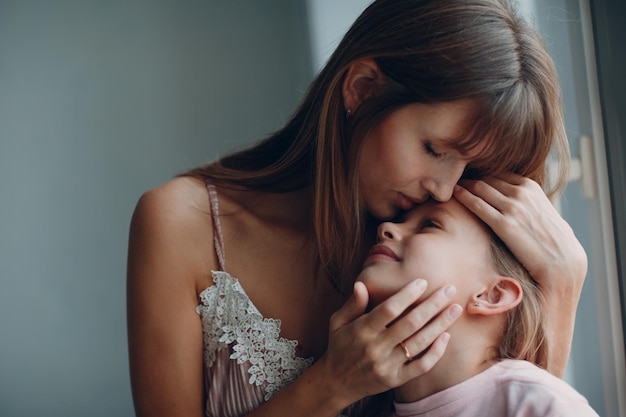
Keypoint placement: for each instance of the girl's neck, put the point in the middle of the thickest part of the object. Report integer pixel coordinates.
(467, 355)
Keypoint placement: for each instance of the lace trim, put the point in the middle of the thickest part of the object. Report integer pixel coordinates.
(230, 318)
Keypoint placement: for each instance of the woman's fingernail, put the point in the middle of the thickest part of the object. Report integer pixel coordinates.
(420, 284)
(449, 291)
(445, 337)
(455, 311)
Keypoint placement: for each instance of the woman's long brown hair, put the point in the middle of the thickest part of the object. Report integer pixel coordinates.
(429, 51)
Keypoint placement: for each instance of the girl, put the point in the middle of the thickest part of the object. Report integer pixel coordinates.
(239, 303)
(492, 364)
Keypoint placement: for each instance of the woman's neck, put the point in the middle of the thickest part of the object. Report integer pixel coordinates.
(290, 210)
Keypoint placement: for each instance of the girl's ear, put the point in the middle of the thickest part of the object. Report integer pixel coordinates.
(504, 294)
(360, 82)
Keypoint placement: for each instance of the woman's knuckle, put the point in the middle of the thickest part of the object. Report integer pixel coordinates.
(421, 366)
(389, 310)
(504, 222)
(511, 221)
(427, 363)
(476, 204)
(370, 355)
(529, 183)
(508, 204)
(420, 342)
(380, 372)
(361, 338)
(415, 320)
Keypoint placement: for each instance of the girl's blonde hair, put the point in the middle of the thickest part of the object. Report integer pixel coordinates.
(524, 335)
(428, 51)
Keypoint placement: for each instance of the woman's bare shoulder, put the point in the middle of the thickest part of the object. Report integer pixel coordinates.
(171, 228)
(180, 196)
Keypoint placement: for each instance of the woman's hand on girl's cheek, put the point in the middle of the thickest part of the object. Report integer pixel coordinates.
(364, 355)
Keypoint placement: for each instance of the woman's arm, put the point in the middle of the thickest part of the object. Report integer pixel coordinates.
(164, 330)
(518, 211)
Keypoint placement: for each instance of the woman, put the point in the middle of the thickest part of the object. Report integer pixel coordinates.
(417, 95)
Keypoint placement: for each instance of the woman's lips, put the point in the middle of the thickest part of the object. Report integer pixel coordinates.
(404, 202)
(382, 252)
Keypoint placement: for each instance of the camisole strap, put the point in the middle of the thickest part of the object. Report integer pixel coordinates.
(217, 227)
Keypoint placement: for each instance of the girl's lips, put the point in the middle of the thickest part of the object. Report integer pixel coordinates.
(382, 252)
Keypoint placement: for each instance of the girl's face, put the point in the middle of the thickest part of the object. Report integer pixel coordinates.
(406, 158)
(443, 243)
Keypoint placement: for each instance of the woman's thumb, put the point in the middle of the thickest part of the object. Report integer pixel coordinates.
(353, 308)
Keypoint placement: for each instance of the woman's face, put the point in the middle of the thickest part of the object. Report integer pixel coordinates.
(406, 158)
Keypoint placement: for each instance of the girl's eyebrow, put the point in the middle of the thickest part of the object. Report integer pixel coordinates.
(436, 210)
(440, 210)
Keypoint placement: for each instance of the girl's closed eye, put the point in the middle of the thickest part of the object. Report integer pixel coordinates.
(430, 223)
(428, 147)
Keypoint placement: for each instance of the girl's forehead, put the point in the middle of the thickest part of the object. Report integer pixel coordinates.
(451, 211)
(451, 208)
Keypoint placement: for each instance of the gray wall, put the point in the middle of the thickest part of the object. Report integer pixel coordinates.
(99, 101)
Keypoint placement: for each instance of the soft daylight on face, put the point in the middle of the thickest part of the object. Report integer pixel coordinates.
(442, 243)
(406, 158)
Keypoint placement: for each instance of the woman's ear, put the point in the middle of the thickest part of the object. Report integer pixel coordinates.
(359, 84)
(503, 295)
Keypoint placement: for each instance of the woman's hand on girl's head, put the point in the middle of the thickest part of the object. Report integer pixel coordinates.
(365, 355)
(519, 212)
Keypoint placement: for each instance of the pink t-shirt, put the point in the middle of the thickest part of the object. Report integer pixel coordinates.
(507, 389)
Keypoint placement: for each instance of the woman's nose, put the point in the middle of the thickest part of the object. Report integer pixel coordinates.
(441, 187)
(442, 191)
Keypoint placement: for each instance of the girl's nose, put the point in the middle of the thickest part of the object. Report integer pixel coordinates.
(388, 231)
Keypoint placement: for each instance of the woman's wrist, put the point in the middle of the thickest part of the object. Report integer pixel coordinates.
(563, 283)
(313, 394)
(323, 390)
(561, 291)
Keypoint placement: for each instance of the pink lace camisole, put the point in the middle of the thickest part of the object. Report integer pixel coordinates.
(245, 359)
